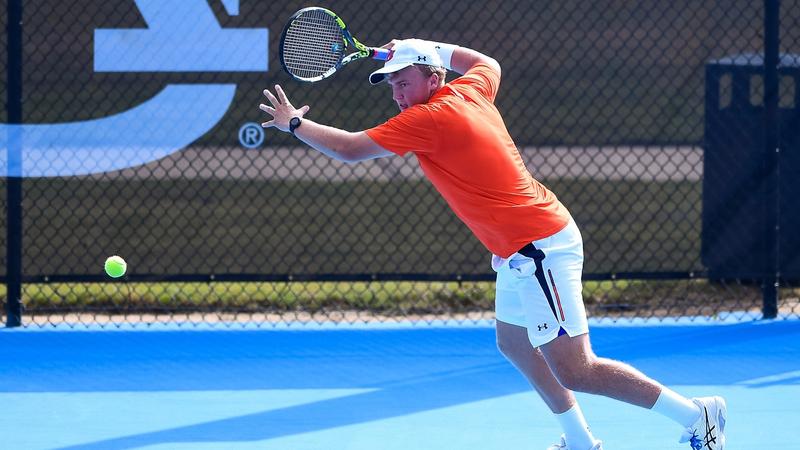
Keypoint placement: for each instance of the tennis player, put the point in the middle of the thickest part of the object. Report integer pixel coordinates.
(463, 147)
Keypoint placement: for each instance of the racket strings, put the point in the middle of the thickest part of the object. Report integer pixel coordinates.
(313, 45)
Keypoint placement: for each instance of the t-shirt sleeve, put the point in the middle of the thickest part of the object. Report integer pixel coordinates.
(482, 78)
(411, 130)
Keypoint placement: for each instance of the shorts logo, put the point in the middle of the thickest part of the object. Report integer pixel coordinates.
(181, 36)
(542, 326)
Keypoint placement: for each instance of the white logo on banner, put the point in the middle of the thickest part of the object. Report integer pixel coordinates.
(181, 36)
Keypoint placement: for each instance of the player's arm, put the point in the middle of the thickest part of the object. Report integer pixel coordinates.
(458, 59)
(338, 144)
(462, 59)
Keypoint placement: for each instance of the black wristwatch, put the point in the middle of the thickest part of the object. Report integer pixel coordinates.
(294, 123)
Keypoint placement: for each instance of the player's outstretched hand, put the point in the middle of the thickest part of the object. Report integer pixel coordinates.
(281, 110)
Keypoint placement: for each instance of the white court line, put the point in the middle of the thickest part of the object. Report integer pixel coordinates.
(778, 378)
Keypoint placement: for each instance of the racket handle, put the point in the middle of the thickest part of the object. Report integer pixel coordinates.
(381, 54)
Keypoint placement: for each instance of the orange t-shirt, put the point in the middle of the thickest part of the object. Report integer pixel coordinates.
(463, 147)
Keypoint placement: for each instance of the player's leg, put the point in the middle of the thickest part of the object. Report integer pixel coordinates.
(513, 343)
(553, 296)
(577, 367)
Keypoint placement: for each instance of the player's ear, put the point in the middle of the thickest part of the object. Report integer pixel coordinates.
(434, 80)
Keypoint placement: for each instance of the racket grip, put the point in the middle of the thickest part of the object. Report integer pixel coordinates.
(381, 54)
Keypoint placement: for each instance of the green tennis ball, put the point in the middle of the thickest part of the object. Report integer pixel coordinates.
(115, 266)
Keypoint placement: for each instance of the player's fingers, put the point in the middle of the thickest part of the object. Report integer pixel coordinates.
(267, 109)
(271, 97)
(268, 124)
(281, 95)
(304, 109)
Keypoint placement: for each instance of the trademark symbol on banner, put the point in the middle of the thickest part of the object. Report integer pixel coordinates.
(251, 135)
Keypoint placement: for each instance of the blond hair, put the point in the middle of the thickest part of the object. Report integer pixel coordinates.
(430, 70)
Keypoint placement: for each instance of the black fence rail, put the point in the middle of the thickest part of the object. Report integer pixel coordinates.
(669, 129)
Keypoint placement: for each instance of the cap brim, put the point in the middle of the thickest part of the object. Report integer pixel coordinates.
(380, 74)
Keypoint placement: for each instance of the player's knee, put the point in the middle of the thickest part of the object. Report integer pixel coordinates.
(575, 377)
(577, 382)
(511, 347)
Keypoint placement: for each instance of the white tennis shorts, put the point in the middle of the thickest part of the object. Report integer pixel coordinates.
(543, 293)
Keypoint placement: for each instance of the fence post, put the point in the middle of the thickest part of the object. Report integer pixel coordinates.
(14, 175)
(771, 282)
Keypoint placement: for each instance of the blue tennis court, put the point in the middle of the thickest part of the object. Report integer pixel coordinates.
(417, 387)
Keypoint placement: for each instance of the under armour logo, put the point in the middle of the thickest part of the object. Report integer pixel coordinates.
(422, 58)
(542, 326)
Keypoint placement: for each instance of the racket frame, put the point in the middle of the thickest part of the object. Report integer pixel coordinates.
(361, 51)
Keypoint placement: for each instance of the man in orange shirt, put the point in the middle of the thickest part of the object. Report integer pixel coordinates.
(463, 147)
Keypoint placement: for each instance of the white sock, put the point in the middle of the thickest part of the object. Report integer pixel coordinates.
(576, 431)
(676, 407)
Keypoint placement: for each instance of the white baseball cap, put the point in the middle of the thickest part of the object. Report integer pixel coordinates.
(407, 53)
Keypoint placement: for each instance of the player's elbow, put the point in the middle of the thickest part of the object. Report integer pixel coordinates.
(494, 64)
(485, 60)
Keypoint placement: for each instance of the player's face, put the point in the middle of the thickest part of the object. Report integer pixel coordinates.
(411, 87)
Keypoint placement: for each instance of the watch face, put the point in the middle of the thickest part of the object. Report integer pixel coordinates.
(294, 122)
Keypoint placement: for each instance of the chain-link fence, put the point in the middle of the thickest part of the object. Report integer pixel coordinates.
(140, 138)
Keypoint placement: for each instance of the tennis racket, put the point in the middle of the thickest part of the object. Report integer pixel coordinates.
(315, 43)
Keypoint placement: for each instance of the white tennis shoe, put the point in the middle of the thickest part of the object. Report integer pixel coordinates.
(598, 445)
(708, 433)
